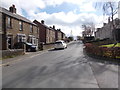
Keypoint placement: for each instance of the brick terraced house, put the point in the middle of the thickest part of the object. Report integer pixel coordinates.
(58, 34)
(46, 34)
(63, 36)
(16, 28)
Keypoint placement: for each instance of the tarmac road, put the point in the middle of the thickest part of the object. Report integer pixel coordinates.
(68, 68)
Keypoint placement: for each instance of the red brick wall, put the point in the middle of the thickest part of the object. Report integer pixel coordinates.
(42, 31)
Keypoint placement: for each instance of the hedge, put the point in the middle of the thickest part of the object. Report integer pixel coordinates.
(111, 52)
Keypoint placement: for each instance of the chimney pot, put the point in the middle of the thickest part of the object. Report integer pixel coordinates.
(13, 5)
(42, 21)
(104, 24)
(53, 26)
(12, 9)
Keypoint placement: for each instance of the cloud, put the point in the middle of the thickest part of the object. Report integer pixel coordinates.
(71, 20)
(68, 21)
(87, 7)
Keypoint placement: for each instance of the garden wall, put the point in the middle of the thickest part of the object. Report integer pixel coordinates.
(11, 53)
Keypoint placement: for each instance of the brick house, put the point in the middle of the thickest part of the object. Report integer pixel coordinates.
(59, 34)
(51, 35)
(107, 30)
(46, 34)
(16, 28)
(63, 36)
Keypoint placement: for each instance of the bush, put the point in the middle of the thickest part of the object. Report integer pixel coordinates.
(112, 52)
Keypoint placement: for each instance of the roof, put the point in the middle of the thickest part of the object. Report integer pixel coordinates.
(14, 15)
(41, 24)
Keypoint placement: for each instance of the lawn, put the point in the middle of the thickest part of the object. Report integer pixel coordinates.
(111, 45)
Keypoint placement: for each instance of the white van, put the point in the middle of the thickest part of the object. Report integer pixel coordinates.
(60, 44)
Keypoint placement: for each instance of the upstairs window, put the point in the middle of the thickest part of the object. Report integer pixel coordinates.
(21, 26)
(9, 22)
(31, 28)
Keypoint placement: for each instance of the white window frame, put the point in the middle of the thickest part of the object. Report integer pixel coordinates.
(9, 23)
(23, 38)
(31, 28)
(20, 25)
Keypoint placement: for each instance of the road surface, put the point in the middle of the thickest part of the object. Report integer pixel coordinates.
(68, 68)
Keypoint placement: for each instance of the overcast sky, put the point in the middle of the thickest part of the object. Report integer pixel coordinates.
(64, 14)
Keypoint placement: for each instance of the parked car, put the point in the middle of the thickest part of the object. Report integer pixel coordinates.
(30, 47)
(60, 44)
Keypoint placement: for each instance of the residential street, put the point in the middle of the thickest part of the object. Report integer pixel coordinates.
(68, 68)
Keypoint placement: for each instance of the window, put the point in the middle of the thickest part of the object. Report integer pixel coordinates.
(21, 38)
(30, 39)
(31, 28)
(9, 22)
(34, 41)
(20, 26)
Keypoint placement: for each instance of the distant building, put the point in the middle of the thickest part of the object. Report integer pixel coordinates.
(46, 34)
(16, 28)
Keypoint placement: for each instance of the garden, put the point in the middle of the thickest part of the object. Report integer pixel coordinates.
(108, 51)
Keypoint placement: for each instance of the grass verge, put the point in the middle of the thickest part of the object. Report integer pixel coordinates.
(111, 45)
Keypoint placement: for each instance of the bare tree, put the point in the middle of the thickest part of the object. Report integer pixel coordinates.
(88, 28)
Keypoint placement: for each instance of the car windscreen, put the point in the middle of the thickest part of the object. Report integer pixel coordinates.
(58, 42)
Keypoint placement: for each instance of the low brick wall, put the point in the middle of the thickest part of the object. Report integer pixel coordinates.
(11, 53)
(48, 46)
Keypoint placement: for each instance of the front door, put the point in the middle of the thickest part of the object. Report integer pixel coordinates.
(9, 42)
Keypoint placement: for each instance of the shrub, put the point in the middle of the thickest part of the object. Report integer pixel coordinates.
(111, 52)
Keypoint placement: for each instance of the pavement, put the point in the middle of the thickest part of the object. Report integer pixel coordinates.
(7, 61)
(68, 68)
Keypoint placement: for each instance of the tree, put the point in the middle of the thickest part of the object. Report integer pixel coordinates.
(78, 37)
(70, 38)
(88, 28)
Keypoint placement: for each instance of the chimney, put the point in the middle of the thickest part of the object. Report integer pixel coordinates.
(42, 21)
(53, 26)
(108, 19)
(12, 9)
(59, 29)
(104, 24)
(50, 27)
(98, 29)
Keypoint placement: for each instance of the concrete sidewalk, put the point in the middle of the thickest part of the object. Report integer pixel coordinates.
(17, 58)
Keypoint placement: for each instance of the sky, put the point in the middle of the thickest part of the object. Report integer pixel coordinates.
(67, 15)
